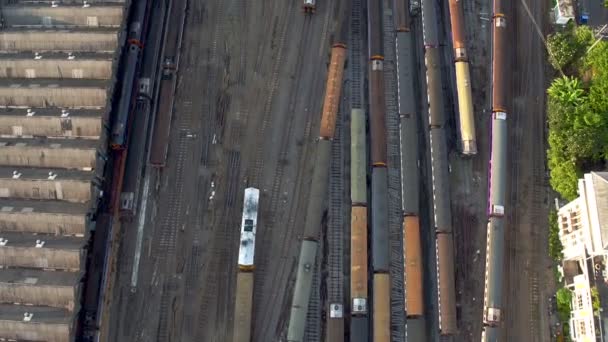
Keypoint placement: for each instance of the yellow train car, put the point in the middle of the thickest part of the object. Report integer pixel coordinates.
(466, 118)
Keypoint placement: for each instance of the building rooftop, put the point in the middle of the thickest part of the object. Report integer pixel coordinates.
(53, 112)
(67, 2)
(39, 277)
(566, 8)
(84, 30)
(52, 83)
(600, 184)
(81, 144)
(25, 240)
(28, 173)
(52, 55)
(42, 314)
(53, 207)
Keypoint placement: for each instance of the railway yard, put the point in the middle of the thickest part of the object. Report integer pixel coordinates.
(186, 170)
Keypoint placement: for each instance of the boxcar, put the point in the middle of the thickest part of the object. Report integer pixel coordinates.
(413, 267)
(446, 284)
(380, 246)
(358, 158)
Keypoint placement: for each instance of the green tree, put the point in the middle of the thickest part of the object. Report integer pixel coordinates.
(562, 50)
(555, 245)
(595, 300)
(567, 91)
(564, 179)
(564, 299)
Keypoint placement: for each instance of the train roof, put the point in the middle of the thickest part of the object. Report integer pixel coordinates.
(248, 227)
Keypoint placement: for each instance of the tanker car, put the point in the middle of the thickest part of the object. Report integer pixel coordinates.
(318, 193)
(497, 180)
(466, 118)
(439, 170)
(135, 38)
(244, 280)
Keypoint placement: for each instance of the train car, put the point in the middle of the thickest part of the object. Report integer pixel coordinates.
(435, 90)
(377, 112)
(458, 30)
(335, 323)
(441, 186)
(379, 211)
(401, 10)
(359, 329)
(358, 260)
(490, 334)
(374, 29)
(382, 308)
(429, 24)
(408, 120)
(248, 229)
(358, 158)
(318, 189)
(499, 76)
(494, 265)
(333, 90)
(415, 329)
(446, 284)
(310, 6)
(498, 165)
(414, 298)
(466, 118)
(118, 137)
(303, 287)
(160, 141)
(242, 307)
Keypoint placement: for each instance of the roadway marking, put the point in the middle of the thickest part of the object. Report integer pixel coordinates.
(141, 219)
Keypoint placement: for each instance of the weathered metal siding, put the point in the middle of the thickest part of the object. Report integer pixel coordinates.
(414, 299)
(358, 158)
(333, 90)
(446, 283)
(44, 223)
(60, 96)
(358, 260)
(51, 329)
(47, 156)
(382, 304)
(48, 126)
(92, 16)
(32, 257)
(43, 295)
(58, 40)
(66, 190)
(242, 307)
(380, 245)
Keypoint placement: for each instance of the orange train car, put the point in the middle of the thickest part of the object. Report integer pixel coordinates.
(358, 260)
(332, 91)
(447, 295)
(412, 256)
(382, 307)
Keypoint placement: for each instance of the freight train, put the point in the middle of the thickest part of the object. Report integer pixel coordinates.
(379, 201)
(410, 178)
(318, 192)
(136, 35)
(466, 118)
(492, 303)
(244, 278)
(444, 243)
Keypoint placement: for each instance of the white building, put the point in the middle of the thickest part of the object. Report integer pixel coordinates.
(583, 222)
(563, 12)
(582, 327)
(583, 231)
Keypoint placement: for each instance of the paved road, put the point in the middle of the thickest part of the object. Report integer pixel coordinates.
(247, 106)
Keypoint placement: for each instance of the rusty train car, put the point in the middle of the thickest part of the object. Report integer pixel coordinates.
(466, 117)
(439, 169)
(318, 194)
(492, 304)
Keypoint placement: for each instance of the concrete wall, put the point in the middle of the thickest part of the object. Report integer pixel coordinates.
(44, 96)
(47, 223)
(46, 156)
(62, 189)
(37, 331)
(53, 40)
(63, 15)
(32, 257)
(49, 126)
(40, 295)
(56, 68)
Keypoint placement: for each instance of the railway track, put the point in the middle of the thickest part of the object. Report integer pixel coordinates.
(394, 181)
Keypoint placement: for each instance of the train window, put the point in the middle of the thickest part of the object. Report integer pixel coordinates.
(248, 225)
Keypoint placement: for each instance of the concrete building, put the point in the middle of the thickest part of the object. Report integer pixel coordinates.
(57, 72)
(563, 12)
(583, 231)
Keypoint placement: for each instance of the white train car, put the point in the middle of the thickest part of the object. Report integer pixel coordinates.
(248, 227)
(310, 6)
